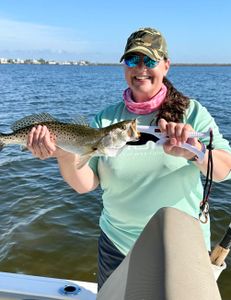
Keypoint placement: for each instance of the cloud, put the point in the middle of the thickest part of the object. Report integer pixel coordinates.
(25, 37)
(30, 40)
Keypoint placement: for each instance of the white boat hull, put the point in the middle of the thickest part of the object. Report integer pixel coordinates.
(28, 287)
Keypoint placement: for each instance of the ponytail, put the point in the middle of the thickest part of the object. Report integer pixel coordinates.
(174, 106)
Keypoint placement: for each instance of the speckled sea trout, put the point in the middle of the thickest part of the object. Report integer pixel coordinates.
(74, 137)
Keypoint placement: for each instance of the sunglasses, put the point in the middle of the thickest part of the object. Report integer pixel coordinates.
(133, 61)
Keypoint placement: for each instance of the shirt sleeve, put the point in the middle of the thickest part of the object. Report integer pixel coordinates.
(202, 121)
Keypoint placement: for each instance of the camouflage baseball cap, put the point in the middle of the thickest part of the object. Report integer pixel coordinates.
(148, 41)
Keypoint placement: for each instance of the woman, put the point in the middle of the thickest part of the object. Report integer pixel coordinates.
(143, 178)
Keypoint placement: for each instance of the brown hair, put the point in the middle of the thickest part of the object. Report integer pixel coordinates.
(174, 106)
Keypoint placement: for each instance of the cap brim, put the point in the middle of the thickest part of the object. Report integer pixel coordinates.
(152, 54)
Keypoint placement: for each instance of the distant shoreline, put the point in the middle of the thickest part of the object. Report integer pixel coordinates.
(42, 61)
(119, 64)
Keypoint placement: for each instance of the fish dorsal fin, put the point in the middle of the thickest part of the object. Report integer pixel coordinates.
(80, 120)
(32, 120)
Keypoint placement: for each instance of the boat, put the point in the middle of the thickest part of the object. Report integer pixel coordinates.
(29, 287)
(169, 261)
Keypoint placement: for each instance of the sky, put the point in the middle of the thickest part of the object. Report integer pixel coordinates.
(196, 31)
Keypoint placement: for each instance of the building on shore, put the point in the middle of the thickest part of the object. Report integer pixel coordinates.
(41, 61)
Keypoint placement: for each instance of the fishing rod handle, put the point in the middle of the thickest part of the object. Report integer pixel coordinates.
(219, 255)
(221, 250)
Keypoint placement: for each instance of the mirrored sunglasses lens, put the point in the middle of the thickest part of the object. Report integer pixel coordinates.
(150, 63)
(132, 61)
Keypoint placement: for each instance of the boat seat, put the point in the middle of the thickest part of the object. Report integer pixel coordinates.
(169, 261)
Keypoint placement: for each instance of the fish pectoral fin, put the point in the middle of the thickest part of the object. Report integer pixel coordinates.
(83, 159)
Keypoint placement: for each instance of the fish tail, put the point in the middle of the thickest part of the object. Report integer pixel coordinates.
(1, 142)
(1, 145)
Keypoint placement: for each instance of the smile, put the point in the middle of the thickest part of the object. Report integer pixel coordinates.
(142, 77)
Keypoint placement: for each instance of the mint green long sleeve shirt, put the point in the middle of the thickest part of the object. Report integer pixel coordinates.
(142, 179)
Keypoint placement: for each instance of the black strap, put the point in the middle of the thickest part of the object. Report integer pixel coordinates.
(204, 205)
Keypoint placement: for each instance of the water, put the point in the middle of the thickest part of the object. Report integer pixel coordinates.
(48, 229)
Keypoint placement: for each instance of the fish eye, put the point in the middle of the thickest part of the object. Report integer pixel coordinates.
(124, 127)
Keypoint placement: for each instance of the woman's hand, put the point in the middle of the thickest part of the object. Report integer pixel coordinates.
(178, 134)
(42, 144)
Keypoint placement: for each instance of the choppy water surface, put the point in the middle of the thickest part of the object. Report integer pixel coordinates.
(45, 227)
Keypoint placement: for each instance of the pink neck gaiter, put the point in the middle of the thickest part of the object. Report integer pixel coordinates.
(147, 107)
